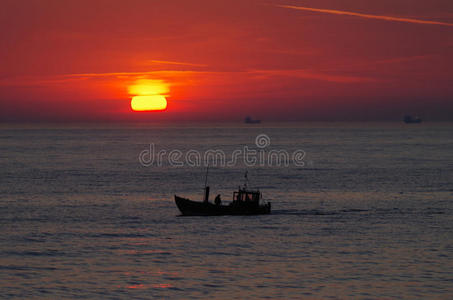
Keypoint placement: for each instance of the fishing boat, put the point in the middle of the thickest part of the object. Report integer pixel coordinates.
(245, 202)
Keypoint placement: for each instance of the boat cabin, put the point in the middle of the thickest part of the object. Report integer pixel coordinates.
(246, 196)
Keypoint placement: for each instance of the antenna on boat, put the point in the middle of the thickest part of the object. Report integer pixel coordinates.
(246, 178)
(206, 187)
(206, 178)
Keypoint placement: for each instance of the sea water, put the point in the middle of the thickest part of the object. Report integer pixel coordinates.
(366, 211)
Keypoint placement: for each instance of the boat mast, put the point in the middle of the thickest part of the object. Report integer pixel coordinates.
(206, 178)
(206, 187)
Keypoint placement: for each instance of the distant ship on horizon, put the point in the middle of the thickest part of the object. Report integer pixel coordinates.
(249, 120)
(408, 119)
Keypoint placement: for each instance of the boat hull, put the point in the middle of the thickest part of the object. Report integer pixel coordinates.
(195, 208)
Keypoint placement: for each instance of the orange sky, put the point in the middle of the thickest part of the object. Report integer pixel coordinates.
(223, 60)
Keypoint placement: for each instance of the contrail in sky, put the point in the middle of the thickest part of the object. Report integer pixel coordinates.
(166, 62)
(367, 16)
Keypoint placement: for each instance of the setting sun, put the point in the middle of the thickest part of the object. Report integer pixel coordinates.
(149, 95)
(147, 103)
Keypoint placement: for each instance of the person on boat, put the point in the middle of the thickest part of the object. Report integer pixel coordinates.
(217, 200)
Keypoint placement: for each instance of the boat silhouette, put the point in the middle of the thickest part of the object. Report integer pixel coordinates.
(245, 202)
(408, 119)
(249, 120)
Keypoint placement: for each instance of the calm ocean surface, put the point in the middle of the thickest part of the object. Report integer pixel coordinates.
(368, 215)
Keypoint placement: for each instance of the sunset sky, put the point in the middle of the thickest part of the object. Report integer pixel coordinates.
(223, 60)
